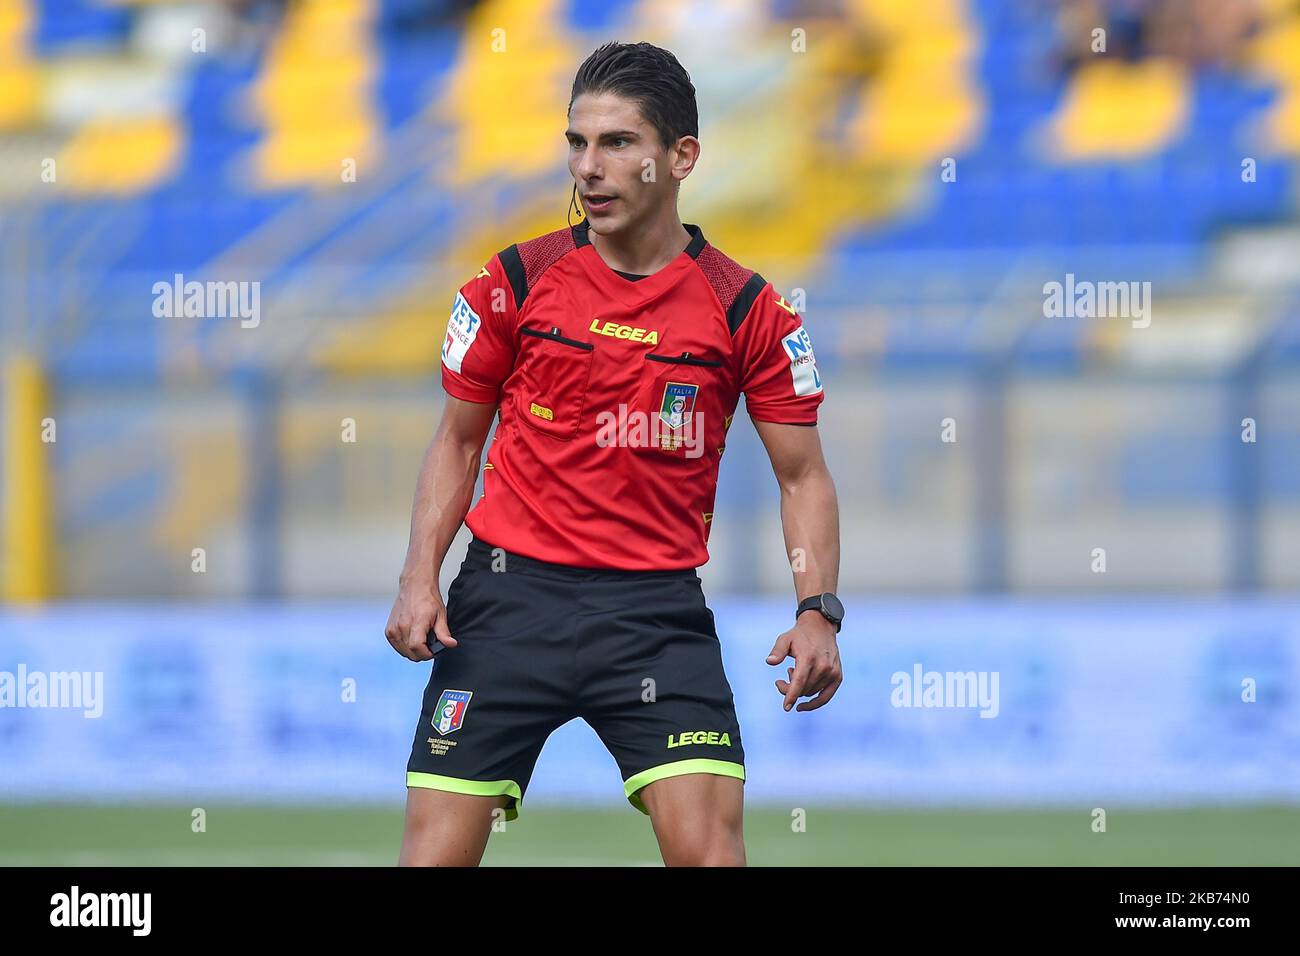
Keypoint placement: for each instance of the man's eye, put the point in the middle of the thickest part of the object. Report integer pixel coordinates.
(619, 142)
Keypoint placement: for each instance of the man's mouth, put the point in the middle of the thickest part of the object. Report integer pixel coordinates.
(599, 202)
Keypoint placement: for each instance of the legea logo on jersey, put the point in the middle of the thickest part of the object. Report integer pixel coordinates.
(803, 364)
(449, 715)
(462, 327)
(632, 333)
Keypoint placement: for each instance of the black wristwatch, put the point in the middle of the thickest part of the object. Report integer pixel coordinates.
(826, 603)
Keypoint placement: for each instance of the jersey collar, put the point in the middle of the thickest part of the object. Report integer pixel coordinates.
(693, 248)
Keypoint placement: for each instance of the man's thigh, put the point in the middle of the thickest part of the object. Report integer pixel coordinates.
(698, 819)
(444, 828)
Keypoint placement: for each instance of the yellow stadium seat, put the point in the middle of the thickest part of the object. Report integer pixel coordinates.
(1116, 111)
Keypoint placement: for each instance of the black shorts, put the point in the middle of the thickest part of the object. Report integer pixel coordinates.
(633, 653)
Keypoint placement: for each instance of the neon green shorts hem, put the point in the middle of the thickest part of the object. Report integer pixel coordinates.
(677, 768)
(479, 788)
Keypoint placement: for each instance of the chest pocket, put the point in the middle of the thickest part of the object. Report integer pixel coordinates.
(554, 372)
(682, 397)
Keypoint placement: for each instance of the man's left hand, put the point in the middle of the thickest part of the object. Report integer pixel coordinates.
(817, 671)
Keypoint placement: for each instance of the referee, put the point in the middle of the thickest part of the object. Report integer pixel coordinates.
(613, 354)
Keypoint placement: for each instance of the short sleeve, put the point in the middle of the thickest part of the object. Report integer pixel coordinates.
(478, 351)
(779, 373)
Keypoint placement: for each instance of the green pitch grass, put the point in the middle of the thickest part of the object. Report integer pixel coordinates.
(82, 835)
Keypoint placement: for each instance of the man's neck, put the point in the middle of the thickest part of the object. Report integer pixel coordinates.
(645, 251)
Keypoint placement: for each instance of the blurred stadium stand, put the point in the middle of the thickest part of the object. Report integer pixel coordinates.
(211, 140)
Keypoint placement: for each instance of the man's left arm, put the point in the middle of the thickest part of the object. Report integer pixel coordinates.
(811, 525)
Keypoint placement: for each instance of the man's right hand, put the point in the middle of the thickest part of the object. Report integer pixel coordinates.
(417, 611)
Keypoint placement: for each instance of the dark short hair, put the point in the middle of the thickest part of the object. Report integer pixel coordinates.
(648, 75)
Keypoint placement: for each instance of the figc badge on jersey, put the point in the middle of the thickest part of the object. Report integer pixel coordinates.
(678, 401)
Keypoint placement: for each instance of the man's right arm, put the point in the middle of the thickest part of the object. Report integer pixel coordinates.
(443, 496)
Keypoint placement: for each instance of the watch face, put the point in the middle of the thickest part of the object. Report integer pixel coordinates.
(833, 606)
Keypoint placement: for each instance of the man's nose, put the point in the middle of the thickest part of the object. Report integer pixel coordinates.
(589, 165)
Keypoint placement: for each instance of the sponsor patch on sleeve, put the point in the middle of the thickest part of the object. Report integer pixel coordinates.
(461, 330)
(803, 364)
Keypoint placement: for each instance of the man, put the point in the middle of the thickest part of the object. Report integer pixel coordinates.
(614, 353)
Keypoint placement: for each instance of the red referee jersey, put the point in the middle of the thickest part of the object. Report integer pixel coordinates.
(615, 395)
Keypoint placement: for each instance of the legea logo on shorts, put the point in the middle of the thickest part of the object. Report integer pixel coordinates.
(449, 715)
(688, 737)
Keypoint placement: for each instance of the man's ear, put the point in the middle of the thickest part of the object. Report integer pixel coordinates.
(684, 157)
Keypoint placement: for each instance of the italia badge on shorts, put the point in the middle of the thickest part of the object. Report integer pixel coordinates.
(449, 715)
